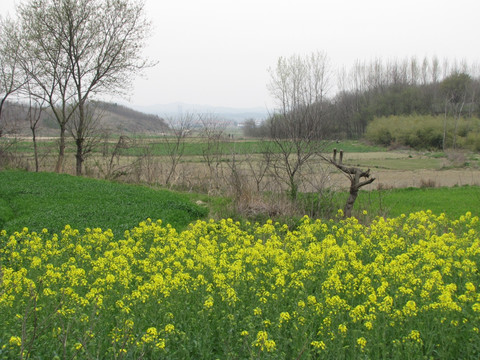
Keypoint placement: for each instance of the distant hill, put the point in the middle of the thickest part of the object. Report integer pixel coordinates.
(228, 114)
(120, 118)
(113, 117)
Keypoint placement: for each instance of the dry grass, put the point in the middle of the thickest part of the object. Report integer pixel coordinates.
(194, 175)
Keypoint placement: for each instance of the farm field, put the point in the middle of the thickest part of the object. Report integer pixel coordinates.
(93, 268)
(404, 287)
(147, 160)
(51, 201)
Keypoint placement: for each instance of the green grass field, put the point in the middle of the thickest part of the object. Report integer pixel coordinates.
(454, 201)
(48, 200)
(157, 146)
(51, 201)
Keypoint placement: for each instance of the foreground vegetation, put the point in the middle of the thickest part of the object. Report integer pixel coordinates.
(404, 287)
(49, 200)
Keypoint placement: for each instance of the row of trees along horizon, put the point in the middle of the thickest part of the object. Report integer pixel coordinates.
(301, 87)
(64, 55)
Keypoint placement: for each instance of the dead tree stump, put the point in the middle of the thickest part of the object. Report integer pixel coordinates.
(355, 175)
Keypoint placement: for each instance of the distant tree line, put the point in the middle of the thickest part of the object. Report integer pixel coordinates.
(368, 90)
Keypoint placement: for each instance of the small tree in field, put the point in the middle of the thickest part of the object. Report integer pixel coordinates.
(455, 88)
(175, 141)
(213, 137)
(299, 86)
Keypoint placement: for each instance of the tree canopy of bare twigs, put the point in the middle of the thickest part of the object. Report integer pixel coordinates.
(11, 76)
(299, 86)
(76, 49)
(455, 88)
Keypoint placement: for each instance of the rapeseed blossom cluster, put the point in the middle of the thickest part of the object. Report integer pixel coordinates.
(405, 287)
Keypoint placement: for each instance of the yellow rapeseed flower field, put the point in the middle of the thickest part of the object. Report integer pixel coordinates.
(398, 288)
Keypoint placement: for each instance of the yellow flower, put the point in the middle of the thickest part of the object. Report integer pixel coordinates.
(15, 341)
(208, 304)
(169, 328)
(362, 342)
(129, 324)
(470, 287)
(160, 344)
(320, 345)
(263, 342)
(285, 316)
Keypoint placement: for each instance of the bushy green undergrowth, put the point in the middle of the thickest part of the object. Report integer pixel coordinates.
(48, 200)
(423, 132)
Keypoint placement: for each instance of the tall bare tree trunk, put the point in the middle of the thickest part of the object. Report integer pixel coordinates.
(35, 150)
(61, 150)
(80, 138)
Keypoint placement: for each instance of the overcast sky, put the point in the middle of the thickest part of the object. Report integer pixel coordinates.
(217, 52)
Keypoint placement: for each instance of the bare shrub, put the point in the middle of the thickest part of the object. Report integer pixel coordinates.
(430, 183)
(272, 206)
(456, 158)
(112, 165)
(383, 186)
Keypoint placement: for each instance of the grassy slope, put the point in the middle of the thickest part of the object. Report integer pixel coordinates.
(48, 200)
(454, 202)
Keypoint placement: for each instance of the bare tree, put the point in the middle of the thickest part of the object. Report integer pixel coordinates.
(213, 137)
(299, 86)
(11, 76)
(85, 131)
(455, 88)
(175, 140)
(36, 108)
(76, 49)
(259, 168)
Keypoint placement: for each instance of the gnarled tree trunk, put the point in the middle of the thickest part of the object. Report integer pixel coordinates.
(355, 175)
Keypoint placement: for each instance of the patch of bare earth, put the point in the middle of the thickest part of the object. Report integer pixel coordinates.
(422, 178)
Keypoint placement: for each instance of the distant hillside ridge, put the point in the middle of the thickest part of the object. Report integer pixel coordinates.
(113, 118)
(223, 113)
(122, 118)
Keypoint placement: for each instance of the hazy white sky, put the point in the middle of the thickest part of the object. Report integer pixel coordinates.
(217, 52)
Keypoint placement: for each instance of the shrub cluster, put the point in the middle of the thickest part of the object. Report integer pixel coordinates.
(423, 132)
